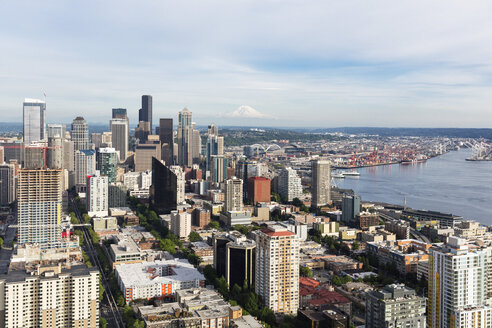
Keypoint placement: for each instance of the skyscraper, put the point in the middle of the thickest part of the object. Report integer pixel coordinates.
(350, 208)
(85, 165)
(145, 113)
(289, 184)
(34, 118)
(181, 223)
(54, 153)
(119, 113)
(233, 195)
(457, 295)
(144, 152)
(214, 146)
(7, 184)
(119, 136)
(56, 130)
(80, 134)
(185, 138)
(259, 190)
(277, 269)
(97, 195)
(321, 183)
(395, 306)
(163, 192)
(167, 140)
(39, 205)
(218, 168)
(107, 163)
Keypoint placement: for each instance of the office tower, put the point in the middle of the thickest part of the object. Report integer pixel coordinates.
(119, 136)
(54, 297)
(2, 155)
(258, 190)
(457, 293)
(145, 113)
(107, 163)
(107, 139)
(13, 151)
(234, 258)
(167, 140)
(97, 195)
(85, 165)
(321, 183)
(34, 119)
(142, 131)
(277, 269)
(144, 152)
(7, 184)
(185, 138)
(96, 139)
(181, 223)
(119, 113)
(39, 205)
(34, 156)
(180, 183)
(117, 195)
(80, 134)
(214, 146)
(54, 153)
(213, 130)
(395, 306)
(218, 169)
(57, 130)
(69, 155)
(197, 145)
(350, 208)
(163, 192)
(289, 184)
(233, 194)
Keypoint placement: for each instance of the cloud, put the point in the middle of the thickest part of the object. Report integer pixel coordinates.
(246, 111)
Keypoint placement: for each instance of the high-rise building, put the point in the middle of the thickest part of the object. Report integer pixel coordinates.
(181, 223)
(34, 156)
(142, 131)
(234, 258)
(289, 184)
(69, 155)
(185, 138)
(107, 163)
(277, 269)
(54, 153)
(144, 152)
(119, 113)
(52, 297)
(395, 306)
(164, 189)
(350, 209)
(167, 140)
(39, 207)
(197, 145)
(218, 168)
(80, 134)
(145, 113)
(7, 184)
(119, 136)
(180, 183)
(34, 118)
(233, 194)
(96, 139)
(321, 183)
(97, 195)
(117, 195)
(215, 146)
(258, 190)
(57, 130)
(457, 294)
(2, 155)
(85, 165)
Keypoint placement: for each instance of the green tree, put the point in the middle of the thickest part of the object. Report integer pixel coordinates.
(1, 242)
(210, 274)
(86, 218)
(168, 246)
(194, 236)
(103, 323)
(355, 245)
(214, 225)
(138, 324)
(305, 271)
(275, 197)
(222, 287)
(120, 300)
(236, 291)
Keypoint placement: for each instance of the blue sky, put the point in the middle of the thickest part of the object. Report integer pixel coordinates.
(290, 63)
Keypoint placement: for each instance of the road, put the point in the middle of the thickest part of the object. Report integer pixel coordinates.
(6, 251)
(110, 310)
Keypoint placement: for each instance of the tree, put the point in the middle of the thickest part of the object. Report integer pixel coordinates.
(194, 236)
(138, 324)
(222, 286)
(355, 245)
(86, 218)
(168, 246)
(306, 271)
(210, 274)
(120, 300)
(235, 291)
(214, 225)
(1, 242)
(275, 197)
(103, 323)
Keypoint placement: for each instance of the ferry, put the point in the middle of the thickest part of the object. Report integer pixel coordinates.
(350, 174)
(338, 176)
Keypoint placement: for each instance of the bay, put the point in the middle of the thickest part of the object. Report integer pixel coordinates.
(447, 184)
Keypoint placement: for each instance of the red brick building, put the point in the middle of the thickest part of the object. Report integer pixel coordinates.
(200, 218)
(258, 189)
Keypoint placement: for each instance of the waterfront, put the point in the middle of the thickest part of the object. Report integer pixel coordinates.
(446, 183)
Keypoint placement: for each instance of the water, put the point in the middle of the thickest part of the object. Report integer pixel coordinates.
(446, 184)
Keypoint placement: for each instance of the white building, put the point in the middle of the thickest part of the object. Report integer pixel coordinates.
(277, 269)
(180, 182)
(233, 194)
(289, 184)
(157, 279)
(52, 297)
(85, 165)
(181, 223)
(97, 196)
(120, 136)
(34, 114)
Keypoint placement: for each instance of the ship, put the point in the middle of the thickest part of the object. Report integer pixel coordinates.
(338, 175)
(418, 159)
(350, 174)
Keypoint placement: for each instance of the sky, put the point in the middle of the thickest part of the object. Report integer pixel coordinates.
(261, 63)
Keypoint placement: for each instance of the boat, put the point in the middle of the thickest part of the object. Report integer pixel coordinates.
(350, 174)
(418, 159)
(338, 176)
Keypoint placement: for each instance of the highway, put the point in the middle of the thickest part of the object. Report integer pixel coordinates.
(112, 312)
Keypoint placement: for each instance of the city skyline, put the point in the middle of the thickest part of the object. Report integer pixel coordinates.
(406, 67)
